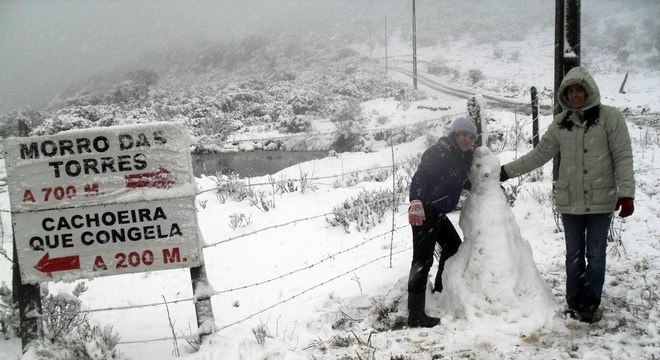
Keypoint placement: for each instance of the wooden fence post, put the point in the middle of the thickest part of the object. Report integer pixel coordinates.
(28, 299)
(535, 116)
(623, 84)
(202, 293)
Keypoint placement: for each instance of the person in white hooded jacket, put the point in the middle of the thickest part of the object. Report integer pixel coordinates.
(595, 179)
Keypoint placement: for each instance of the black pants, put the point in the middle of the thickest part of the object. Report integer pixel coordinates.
(436, 229)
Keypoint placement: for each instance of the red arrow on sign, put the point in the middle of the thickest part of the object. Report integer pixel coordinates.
(48, 265)
(160, 178)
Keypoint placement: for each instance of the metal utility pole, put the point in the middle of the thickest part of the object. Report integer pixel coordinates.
(559, 51)
(572, 54)
(414, 36)
(385, 44)
(567, 31)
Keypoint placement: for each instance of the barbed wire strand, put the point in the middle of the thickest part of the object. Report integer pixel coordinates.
(293, 222)
(218, 329)
(129, 307)
(312, 265)
(310, 289)
(275, 182)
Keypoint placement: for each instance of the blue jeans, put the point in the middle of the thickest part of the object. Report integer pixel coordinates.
(586, 250)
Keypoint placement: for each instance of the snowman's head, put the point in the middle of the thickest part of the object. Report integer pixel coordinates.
(485, 167)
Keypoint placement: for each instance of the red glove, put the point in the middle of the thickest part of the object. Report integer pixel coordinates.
(627, 206)
(416, 213)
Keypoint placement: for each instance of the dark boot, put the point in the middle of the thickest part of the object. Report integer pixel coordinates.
(590, 317)
(416, 315)
(438, 284)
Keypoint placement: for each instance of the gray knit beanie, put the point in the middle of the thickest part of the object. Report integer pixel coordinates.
(463, 124)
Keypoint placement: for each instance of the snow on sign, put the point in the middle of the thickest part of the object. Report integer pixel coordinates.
(102, 201)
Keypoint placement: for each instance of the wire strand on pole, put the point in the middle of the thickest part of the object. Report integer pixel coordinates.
(308, 290)
(309, 266)
(276, 304)
(393, 197)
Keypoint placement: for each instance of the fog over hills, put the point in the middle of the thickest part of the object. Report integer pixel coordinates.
(49, 46)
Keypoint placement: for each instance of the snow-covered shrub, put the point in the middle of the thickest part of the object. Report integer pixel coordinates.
(261, 200)
(437, 66)
(146, 77)
(61, 123)
(386, 314)
(296, 124)
(261, 332)
(475, 75)
(346, 52)
(63, 310)
(346, 117)
(515, 56)
(89, 342)
(278, 109)
(365, 210)
(237, 220)
(347, 88)
(10, 122)
(370, 85)
(68, 333)
(127, 92)
(8, 313)
(403, 176)
(139, 115)
(303, 101)
(231, 187)
(348, 140)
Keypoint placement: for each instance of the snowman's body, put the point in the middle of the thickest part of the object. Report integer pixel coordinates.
(493, 272)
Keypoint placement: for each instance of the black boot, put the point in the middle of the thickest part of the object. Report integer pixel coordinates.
(416, 315)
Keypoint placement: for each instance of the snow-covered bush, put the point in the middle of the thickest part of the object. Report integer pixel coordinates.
(231, 187)
(89, 342)
(63, 310)
(303, 101)
(68, 333)
(62, 123)
(347, 119)
(237, 220)
(296, 124)
(437, 66)
(475, 75)
(365, 210)
(8, 313)
(217, 89)
(11, 123)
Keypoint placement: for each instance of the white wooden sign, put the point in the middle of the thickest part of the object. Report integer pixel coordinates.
(102, 201)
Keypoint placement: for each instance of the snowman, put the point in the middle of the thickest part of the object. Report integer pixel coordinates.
(493, 274)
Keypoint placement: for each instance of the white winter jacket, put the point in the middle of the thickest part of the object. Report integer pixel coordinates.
(596, 166)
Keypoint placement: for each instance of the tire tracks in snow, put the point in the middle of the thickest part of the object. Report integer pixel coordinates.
(501, 101)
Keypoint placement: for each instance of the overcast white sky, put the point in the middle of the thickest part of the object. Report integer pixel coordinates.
(47, 44)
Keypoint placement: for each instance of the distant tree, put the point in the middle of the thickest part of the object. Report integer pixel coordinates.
(27, 118)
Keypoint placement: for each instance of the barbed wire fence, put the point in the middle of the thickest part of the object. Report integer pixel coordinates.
(419, 128)
(394, 203)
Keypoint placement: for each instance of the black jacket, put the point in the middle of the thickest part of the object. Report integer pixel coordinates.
(441, 176)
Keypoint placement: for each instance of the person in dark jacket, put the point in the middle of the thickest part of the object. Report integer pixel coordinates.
(434, 191)
(595, 179)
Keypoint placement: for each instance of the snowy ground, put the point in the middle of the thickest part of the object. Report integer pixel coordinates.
(348, 286)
